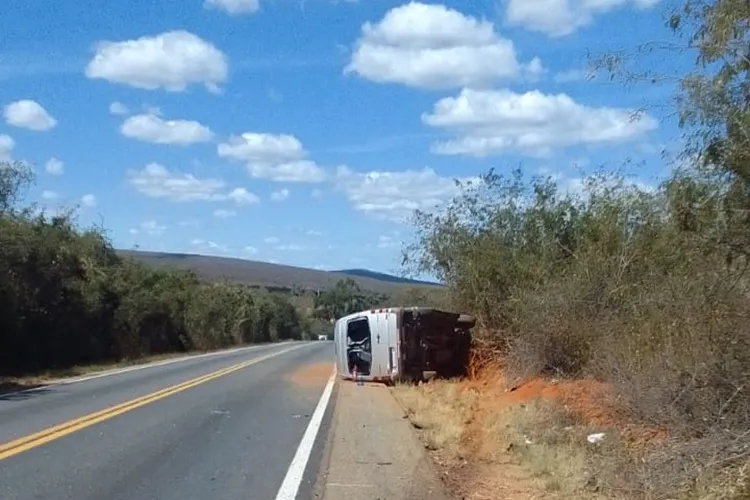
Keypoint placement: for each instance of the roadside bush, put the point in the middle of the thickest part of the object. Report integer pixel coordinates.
(67, 298)
(644, 288)
(631, 286)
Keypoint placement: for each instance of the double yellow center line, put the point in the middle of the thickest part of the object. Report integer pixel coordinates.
(30, 441)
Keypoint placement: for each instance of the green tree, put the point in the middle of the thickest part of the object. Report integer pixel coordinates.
(346, 297)
(15, 178)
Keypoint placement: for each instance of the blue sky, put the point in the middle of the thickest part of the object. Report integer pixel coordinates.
(304, 132)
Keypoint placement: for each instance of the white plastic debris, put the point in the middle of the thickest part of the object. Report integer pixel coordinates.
(595, 438)
(527, 440)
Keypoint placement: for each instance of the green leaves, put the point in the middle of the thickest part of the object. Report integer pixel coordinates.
(66, 298)
(345, 297)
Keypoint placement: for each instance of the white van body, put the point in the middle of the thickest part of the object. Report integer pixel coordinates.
(401, 342)
(384, 343)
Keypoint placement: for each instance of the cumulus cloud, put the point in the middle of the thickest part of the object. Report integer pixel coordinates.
(533, 123)
(279, 158)
(281, 195)
(290, 247)
(88, 200)
(433, 46)
(171, 61)
(233, 7)
(28, 114)
(156, 181)
(54, 167)
(562, 17)
(49, 195)
(223, 213)
(151, 128)
(395, 195)
(6, 147)
(385, 241)
(118, 108)
(208, 246)
(242, 197)
(149, 227)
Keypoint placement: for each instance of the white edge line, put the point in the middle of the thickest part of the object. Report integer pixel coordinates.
(142, 366)
(290, 486)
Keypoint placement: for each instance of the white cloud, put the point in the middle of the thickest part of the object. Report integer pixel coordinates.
(54, 166)
(28, 114)
(278, 158)
(233, 7)
(395, 195)
(224, 214)
(312, 232)
(433, 46)
(88, 200)
(209, 246)
(296, 171)
(316, 193)
(49, 195)
(157, 181)
(562, 17)
(242, 197)
(250, 250)
(118, 108)
(172, 60)
(574, 75)
(153, 228)
(151, 128)
(289, 248)
(6, 147)
(150, 227)
(533, 123)
(280, 195)
(152, 110)
(271, 240)
(386, 242)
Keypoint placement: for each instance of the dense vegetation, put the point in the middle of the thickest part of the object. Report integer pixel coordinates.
(66, 297)
(645, 289)
(345, 297)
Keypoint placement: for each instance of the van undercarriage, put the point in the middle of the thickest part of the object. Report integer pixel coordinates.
(435, 341)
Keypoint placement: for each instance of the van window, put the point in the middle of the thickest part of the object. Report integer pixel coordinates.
(358, 330)
(359, 345)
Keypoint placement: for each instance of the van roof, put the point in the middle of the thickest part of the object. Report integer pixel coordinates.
(380, 310)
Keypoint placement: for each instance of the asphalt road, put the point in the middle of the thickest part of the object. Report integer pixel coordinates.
(223, 426)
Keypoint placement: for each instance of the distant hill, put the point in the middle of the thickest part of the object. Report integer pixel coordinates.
(389, 278)
(272, 276)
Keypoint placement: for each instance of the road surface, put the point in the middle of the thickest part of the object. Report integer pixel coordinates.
(232, 425)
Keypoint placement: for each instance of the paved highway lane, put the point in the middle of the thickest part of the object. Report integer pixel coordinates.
(225, 426)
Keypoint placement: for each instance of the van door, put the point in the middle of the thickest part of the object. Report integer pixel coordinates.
(380, 342)
(391, 320)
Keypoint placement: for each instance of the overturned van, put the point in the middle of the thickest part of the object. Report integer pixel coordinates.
(402, 343)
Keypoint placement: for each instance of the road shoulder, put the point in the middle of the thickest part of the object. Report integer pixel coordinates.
(372, 452)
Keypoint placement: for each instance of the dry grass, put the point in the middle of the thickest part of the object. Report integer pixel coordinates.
(530, 441)
(441, 410)
(526, 441)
